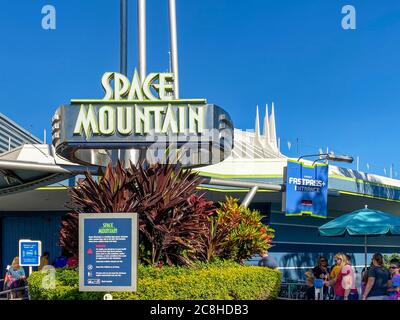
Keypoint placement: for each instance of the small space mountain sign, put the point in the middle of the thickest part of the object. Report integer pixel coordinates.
(142, 116)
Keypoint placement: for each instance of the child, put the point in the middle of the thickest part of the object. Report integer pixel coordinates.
(394, 289)
(349, 281)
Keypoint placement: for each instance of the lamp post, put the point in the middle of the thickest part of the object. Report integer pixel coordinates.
(329, 157)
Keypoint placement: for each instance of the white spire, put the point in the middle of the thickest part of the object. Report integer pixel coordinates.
(266, 127)
(272, 128)
(257, 135)
(257, 124)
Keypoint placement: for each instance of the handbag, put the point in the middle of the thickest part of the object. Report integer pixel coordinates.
(347, 282)
(318, 283)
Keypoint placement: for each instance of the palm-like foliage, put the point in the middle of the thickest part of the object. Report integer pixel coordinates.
(172, 219)
(236, 233)
(110, 193)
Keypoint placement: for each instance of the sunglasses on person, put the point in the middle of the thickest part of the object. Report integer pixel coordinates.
(322, 260)
(393, 267)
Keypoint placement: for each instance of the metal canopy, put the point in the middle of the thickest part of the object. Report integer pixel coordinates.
(32, 166)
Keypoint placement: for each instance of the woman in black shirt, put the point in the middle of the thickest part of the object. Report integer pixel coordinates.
(320, 273)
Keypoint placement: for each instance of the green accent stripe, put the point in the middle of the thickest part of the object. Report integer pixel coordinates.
(228, 176)
(335, 176)
(54, 188)
(367, 196)
(309, 213)
(100, 101)
(281, 212)
(308, 165)
(247, 190)
(233, 190)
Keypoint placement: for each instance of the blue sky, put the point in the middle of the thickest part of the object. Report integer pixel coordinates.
(331, 87)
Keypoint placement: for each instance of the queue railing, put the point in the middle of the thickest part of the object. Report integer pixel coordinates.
(10, 294)
(293, 291)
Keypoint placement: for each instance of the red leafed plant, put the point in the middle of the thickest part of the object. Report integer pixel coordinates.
(176, 226)
(172, 218)
(108, 193)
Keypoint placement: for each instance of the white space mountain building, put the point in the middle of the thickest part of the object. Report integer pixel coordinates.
(34, 183)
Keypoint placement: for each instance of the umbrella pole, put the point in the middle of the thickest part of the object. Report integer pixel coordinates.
(365, 251)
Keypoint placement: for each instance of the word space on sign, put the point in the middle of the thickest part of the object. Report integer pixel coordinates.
(306, 189)
(108, 251)
(30, 252)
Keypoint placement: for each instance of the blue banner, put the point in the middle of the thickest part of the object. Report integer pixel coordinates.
(306, 189)
(108, 252)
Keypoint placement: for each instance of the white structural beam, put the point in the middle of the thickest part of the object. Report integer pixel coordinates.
(249, 196)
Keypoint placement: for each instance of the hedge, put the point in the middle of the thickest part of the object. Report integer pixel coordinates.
(215, 281)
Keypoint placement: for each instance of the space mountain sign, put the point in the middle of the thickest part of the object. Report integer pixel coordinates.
(142, 116)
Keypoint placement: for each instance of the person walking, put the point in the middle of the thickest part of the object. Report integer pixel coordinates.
(15, 278)
(336, 268)
(267, 261)
(349, 281)
(394, 282)
(317, 277)
(72, 262)
(336, 281)
(378, 280)
(44, 260)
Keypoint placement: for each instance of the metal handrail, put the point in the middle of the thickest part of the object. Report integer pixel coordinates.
(7, 292)
(13, 290)
(292, 293)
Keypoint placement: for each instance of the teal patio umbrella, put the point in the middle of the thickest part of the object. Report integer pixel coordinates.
(365, 222)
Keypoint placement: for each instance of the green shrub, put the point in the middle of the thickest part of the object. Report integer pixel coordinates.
(236, 233)
(387, 258)
(214, 281)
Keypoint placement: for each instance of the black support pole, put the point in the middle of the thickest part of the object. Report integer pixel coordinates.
(123, 63)
(124, 37)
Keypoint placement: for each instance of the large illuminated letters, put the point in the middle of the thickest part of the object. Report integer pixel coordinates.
(142, 115)
(118, 87)
(127, 120)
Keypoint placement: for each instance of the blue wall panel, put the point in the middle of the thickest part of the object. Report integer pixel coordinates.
(35, 226)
